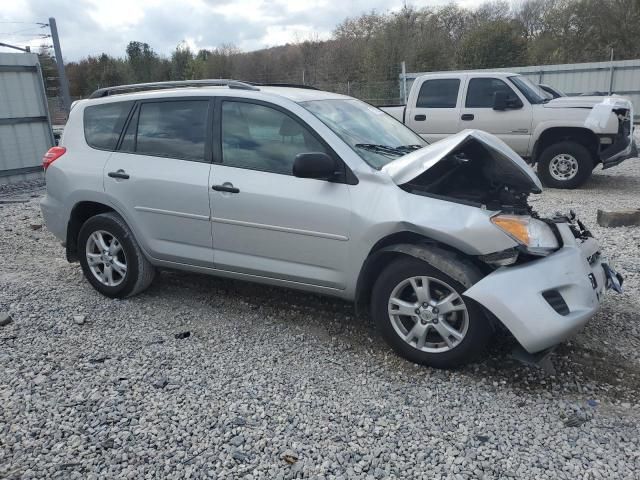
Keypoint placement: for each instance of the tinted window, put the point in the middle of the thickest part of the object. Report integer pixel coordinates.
(439, 93)
(262, 138)
(481, 92)
(103, 124)
(170, 129)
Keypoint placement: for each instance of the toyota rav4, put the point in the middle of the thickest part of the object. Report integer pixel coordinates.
(317, 191)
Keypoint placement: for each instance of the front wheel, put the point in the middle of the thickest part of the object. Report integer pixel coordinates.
(422, 314)
(565, 165)
(110, 257)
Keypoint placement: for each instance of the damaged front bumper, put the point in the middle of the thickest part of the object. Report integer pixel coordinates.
(546, 301)
(620, 151)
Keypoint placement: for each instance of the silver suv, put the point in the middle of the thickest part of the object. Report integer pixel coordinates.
(321, 192)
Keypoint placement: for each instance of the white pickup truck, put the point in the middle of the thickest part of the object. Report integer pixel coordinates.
(566, 137)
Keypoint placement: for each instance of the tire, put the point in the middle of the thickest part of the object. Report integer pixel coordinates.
(120, 283)
(464, 350)
(565, 165)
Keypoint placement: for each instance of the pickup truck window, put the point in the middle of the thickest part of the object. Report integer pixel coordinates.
(532, 92)
(481, 92)
(439, 93)
(375, 136)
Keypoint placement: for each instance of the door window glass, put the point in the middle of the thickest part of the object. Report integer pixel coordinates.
(262, 138)
(481, 92)
(170, 129)
(439, 93)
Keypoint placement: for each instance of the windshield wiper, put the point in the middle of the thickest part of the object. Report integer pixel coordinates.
(387, 150)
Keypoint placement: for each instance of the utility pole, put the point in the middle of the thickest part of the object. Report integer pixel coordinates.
(611, 70)
(62, 76)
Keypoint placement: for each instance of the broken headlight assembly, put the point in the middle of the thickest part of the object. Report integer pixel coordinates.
(534, 235)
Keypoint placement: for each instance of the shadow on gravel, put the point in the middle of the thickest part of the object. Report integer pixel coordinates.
(603, 182)
(579, 370)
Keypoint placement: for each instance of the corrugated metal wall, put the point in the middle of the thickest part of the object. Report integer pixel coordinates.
(25, 130)
(623, 77)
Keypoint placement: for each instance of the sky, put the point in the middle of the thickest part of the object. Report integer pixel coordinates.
(90, 27)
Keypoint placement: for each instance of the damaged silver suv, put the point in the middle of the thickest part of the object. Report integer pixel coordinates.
(312, 190)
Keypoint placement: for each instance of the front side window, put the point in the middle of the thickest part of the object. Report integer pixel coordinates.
(532, 92)
(262, 138)
(103, 124)
(482, 91)
(376, 137)
(439, 93)
(169, 129)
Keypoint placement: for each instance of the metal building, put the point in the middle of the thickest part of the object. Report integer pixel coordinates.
(25, 128)
(619, 77)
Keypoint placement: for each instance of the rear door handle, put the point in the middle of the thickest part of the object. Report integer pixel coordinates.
(467, 116)
(119, 174)
(226, 187)
(420, 118)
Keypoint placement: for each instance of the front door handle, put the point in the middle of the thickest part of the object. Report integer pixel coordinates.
(226, 187)
(467, 116)
(119, 174)
(420, 118)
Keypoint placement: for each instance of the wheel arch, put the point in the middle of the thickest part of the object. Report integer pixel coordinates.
(580, 135)
(80, 213)
(437, 254)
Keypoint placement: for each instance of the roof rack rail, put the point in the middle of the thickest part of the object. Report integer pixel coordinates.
(142, 87)
(289, 85)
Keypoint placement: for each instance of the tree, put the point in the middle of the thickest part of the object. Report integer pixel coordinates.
(498, 43)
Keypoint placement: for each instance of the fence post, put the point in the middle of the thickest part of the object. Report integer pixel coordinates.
(403, 84)
(611, 70)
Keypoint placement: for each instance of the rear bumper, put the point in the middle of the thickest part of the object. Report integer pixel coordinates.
(515, 294)
(53, 219)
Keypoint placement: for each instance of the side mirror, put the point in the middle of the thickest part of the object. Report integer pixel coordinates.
(316, 165)
(500, 100)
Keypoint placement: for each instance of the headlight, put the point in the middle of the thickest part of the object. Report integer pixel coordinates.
(534, 234)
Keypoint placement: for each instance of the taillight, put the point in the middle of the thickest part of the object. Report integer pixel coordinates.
(52, 155)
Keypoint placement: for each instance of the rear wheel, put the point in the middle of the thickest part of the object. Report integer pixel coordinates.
(422, 314)
(110, 257)
(565, 165)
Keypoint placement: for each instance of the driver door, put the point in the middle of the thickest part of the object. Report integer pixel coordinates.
(265, 221)
(512, 126)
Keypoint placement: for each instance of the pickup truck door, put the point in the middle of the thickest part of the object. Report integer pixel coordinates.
(512, 125)
(435, 109)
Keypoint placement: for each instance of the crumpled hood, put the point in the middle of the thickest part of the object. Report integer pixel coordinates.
(503, 163)
(614, 101)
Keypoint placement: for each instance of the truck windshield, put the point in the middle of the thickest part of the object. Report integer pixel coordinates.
(533, 93)
(377, 137)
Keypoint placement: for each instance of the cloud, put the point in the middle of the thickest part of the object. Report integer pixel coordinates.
(91, 27)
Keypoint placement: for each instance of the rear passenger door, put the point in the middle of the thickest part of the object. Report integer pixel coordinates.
(512, 125)
(436, 111)
(158, 178)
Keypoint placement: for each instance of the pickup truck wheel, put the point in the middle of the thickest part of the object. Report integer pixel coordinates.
(565, 165)
(421, 313)
(110, 257)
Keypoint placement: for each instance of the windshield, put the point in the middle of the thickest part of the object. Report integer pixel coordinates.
(533, 93)
(377, 137)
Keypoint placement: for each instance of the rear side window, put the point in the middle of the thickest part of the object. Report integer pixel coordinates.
(103, 124)
(481, 92)
(439, 93)
(169, 129)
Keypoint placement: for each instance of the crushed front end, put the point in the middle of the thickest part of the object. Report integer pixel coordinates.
(543, 301)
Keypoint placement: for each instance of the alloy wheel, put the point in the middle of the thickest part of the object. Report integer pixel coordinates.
(428, 314)
(106, 258)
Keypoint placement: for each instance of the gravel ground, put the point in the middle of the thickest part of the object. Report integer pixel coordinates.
(276, 384)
